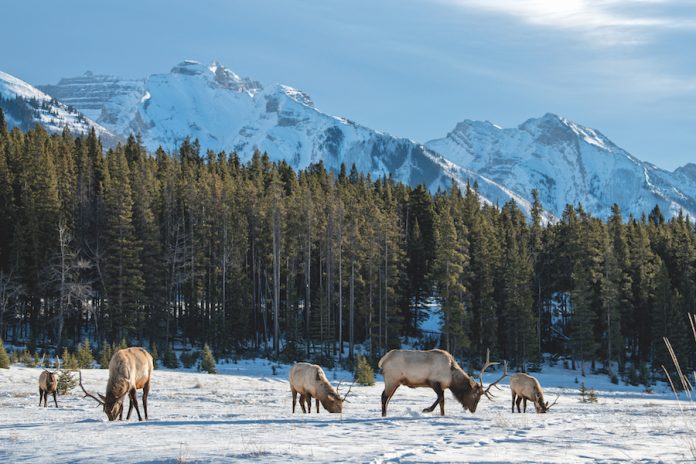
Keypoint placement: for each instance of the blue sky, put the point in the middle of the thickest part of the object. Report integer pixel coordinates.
(409, 67)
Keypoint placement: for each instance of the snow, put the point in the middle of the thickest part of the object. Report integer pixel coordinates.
(568, 163)
(244, 413)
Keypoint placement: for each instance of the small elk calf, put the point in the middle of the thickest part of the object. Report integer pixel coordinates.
(310, 382)
(48, 383)
(525, 387)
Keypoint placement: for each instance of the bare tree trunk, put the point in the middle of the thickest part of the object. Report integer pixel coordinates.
(351, 315)
(276, 281)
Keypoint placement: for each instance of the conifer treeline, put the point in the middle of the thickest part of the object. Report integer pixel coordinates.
(204, 249)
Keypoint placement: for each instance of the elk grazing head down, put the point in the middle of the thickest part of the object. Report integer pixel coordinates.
(436, 369)
(525, 387)
(310, 382)
(130, 369)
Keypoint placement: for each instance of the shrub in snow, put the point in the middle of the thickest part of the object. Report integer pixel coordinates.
(155, 355)
(189, 358)
(105, 355)
(84, 356)
(66, 382)
(208, 361)
(4, 358)
(169, 359)
(364, 374)
(69, 361)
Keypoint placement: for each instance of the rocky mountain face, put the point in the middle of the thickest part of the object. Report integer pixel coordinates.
(25, 106)
(567, 163)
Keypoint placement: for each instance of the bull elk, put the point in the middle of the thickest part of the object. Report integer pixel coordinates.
(310, 382)
(130, 369)
(436, 369)
(48, 383)
(525, 387)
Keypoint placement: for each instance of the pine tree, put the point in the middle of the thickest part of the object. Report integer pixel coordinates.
(208, 361)
(85, 359)
(107, 351)
(364, 374)
(4, 358)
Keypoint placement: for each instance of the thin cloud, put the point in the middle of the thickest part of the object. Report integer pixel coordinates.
(604, 22)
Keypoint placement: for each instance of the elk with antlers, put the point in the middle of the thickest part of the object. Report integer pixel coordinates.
(48, 383)
(525, 387)
(310, 382)
(130, 369)
(436, 369)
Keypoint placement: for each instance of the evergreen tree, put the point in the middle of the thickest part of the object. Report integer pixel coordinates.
(208, 361)
(4, 358)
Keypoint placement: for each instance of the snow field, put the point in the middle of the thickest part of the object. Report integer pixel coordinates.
(244, 413)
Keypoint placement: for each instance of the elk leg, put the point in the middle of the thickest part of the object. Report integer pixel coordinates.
(40, 396)
(440, 399)
(309, 402)
(386, 396)
(54, 399)
(524, 402)
(519, 401)
(130, 409)
(294, 400)
(317, 404)
(302, 403)
(513, 402)
(134, 399)
(146, 391)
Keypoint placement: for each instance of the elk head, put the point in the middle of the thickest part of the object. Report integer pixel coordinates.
(113, 407)
(469, 392)
(541, 406)
(334, 401)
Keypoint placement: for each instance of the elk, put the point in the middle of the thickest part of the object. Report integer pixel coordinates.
(130, 369)
(436, 369)
(48, 383)
(310, 382)
(525, 387)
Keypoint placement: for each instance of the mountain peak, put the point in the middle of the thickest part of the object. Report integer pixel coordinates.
(189, 68)
(296, 94)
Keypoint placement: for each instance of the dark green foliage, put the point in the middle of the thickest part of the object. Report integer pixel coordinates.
(201, 248)
(169, 359)
(67, 380)
(84, 356)
(4, 358)
(208, 361)
(155, 355)
(68, 361)
(364, 374)
(190, 358)
(107, 351)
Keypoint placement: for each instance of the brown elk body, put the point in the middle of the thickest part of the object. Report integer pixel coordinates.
(436, 369)
(525, 387)
(130, 369)
(48, 384)
(309, 381)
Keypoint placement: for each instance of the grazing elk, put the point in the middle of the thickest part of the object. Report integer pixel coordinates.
(48, 383)
(310, 382)
(525, 387)
(130, 369)
(436, 369)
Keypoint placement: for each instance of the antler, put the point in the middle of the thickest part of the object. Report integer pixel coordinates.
(548, 406)
(486, 365)
(88, 393)
(348, 392)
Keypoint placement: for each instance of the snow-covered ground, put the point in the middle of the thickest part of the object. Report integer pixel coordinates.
(244, 413)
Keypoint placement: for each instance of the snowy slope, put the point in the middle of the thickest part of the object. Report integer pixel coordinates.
(245, 414)
(227, 112)
(567, 163)
(25, 106)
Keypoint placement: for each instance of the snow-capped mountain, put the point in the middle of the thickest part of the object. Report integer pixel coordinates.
(567, 163)
(25, 106)
(226, 112)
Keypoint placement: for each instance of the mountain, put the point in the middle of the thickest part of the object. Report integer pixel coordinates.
(567, 163)
(25, 106)
(227, 112)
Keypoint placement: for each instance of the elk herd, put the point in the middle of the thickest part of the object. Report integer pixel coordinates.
(130, 370)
